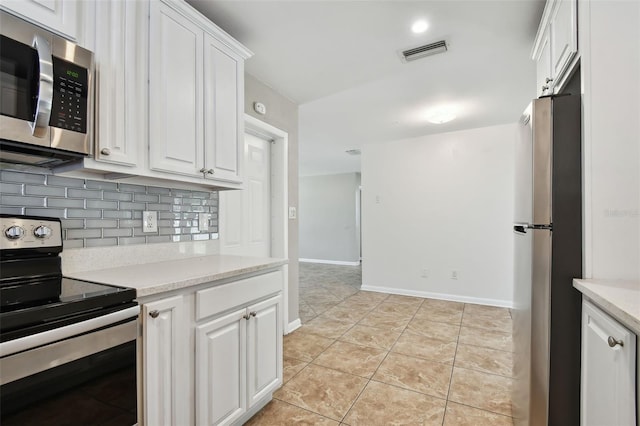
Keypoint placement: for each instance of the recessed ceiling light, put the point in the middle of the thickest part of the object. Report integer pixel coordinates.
(420, 26)
(440, 116)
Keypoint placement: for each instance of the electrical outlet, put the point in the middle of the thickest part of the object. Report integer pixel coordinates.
(424, 273)
(149, 221)
(203, 221)
(292, 212)
(454, 274)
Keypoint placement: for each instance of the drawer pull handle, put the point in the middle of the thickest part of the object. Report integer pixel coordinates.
(253, 314)
(613, 342)
(105, 151)
(154, 314)
(245, 316)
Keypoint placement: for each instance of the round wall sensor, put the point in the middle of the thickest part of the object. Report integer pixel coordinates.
(260, 108)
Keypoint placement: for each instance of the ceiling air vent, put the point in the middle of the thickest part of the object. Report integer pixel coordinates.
(426, 50)
(353, 152)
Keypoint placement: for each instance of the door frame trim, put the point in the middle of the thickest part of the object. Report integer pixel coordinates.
(279, 199)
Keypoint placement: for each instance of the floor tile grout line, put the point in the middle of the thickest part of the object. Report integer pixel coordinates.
(483, 409)
(453, 367)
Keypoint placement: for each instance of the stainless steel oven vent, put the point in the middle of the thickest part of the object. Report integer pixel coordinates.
(422, 51)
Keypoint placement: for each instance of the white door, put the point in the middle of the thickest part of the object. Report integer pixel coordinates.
(245, 215)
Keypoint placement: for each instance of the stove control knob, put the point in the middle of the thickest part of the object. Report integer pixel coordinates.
(42, 232)
(14, 232)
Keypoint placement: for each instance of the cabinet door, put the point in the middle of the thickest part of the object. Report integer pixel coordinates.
(165, 361)
(264, 351)
(220, 369)
(175, 92)
(564, 36)
(608, 372)
(121, 80)
(60, 16)
(223, 109)
(543, 65)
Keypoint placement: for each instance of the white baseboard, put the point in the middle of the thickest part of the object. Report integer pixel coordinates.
(293, 326)
(441, 296)
(330, 262)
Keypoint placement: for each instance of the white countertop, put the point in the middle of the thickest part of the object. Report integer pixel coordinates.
(159, 277)
(621, 299)
(158, 268)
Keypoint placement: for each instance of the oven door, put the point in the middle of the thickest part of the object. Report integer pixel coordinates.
(76, 375)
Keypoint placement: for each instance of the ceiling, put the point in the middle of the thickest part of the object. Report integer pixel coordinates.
(339, 60)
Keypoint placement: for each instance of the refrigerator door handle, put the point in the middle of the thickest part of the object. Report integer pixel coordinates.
(521, 228)
(546, 227)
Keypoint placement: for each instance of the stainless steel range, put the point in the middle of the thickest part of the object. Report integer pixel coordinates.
(62, 341)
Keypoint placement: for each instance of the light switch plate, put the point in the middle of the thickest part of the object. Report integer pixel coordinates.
(149, 221)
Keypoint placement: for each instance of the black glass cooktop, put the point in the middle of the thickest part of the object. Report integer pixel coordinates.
(78, 301)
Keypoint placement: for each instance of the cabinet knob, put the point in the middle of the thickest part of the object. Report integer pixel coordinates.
(613, 342)
(245, 316)
(154, 314)
(210, 172)
(203, 170)
(253, 314)
(548, 80)
(545, 88)
(105, 151)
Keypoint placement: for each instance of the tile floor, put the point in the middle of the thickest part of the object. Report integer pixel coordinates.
(364, 358)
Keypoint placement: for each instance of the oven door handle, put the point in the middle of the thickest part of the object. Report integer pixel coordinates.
(40, 125)
(61, 333)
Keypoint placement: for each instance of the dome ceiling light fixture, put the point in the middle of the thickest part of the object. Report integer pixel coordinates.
(419, 26)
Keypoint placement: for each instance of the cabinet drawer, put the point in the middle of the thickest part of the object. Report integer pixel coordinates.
(218, 299)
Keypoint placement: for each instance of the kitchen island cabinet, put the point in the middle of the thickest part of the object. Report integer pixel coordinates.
(164, 355)
(609, 358)
(210, 346)
(222, 340)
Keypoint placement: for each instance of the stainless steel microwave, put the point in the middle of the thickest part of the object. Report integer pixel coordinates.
(46, 96)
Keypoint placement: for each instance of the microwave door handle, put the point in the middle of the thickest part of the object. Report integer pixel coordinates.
(45, 87)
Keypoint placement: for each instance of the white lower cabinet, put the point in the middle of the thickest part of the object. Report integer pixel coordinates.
(608, 394)
(212, 355)
(165, 358)
(238, 362)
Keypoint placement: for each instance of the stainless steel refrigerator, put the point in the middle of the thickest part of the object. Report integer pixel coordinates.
(548, 255)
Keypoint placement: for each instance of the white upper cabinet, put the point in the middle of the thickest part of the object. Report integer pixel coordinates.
(121, 81)
(59, 16)
(608, 370)
(175, 84)
(543, 65)
(564, 35)
(196, 83)
(556, 45)
(223, 110)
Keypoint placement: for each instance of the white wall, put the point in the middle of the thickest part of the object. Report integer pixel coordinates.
(441, 202)
(327, 215)
(609, 40)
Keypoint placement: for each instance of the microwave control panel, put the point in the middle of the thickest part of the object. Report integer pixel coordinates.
(70, 92)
